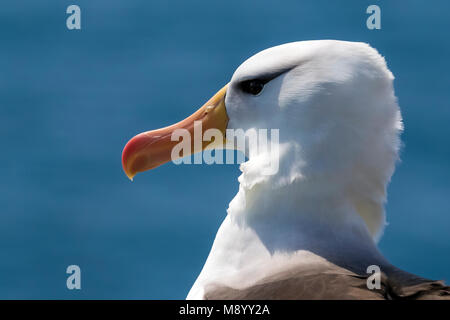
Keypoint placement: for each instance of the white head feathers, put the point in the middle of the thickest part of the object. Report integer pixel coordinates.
(339, 123)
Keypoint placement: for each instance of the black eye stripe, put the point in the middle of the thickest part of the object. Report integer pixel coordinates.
(256, 85)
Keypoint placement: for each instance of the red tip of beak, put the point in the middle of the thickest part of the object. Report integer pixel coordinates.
(129, 150)
(136, 157)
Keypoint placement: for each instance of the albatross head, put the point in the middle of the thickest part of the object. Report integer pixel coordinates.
(334, 105)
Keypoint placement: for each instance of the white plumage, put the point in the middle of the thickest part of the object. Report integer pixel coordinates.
(339, 138)
(309, 231)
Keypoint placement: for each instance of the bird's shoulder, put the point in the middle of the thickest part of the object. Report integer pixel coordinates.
(331, 283)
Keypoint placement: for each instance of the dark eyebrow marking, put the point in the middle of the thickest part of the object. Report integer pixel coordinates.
(268, 76)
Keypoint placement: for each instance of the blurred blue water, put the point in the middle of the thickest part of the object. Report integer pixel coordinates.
(69, 101)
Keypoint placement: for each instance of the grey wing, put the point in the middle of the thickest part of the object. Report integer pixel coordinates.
(332, 284)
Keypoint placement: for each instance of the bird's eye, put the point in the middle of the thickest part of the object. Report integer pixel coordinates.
(253, 87)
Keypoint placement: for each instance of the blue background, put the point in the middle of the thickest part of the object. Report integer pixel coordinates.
(70, 100)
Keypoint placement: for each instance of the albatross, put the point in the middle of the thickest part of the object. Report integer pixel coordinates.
(310, 230)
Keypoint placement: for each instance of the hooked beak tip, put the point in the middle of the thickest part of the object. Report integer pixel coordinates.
(125, 164)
